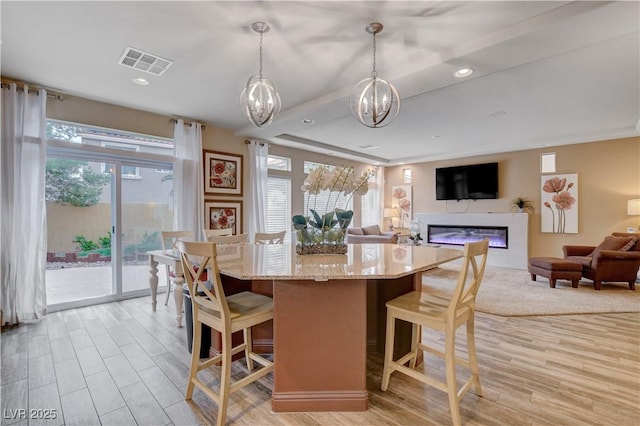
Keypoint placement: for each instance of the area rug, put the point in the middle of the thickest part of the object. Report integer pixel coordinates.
(510, 292)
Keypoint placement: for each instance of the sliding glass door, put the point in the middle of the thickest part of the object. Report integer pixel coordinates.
(146, 210)
(107, 202)
(79, 224)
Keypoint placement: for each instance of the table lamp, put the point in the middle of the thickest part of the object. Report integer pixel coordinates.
(633, 209)
(390, 213)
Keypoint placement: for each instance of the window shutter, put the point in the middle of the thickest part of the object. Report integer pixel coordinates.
(279, 206)
(368, 207)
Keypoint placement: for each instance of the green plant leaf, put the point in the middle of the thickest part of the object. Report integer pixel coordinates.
(299, 222)
(344, 217)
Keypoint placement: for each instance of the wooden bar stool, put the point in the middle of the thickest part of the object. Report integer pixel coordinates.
(227, 315)
(446, 315)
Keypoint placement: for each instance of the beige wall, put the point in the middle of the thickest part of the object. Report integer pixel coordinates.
(608, 176)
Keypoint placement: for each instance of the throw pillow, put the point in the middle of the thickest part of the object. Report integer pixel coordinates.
(613, 243)
(371, 230)
(629, 245)
(355, 231)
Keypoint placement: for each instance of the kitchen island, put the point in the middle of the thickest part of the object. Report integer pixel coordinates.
(328, 311)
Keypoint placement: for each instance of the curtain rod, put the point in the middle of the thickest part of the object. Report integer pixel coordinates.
(189, 123)
(248, 142)
(36, 91)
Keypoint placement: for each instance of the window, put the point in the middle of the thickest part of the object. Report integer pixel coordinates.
(406, 175)
(548, 162)
(369, 207)
(370, 204)
(128, 172)
(279, 163)
(279, 205)
(310, 165)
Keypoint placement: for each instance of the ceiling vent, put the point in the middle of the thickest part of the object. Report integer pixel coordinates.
(143, 61)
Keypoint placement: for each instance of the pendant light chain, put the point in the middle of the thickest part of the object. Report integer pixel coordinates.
(260, 73)
(374, 73)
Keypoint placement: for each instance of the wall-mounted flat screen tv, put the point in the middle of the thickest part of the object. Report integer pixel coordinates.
(471, 182)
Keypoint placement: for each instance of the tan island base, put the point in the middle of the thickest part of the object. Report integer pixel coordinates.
(322, 366)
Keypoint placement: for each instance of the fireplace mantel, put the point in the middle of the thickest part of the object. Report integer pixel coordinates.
(517, 253)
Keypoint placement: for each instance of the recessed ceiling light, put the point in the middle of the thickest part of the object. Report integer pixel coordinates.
(434, 137)
(308, 121)
(463, 72)
(367, 147)
(140, 81)
(496, 114)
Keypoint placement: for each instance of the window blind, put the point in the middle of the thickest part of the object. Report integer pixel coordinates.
(279, 206)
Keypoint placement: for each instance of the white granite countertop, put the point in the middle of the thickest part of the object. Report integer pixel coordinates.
(362, 261)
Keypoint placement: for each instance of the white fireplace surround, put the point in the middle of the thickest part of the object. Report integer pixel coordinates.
(515, 256)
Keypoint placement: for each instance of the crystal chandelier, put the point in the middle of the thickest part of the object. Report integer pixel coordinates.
(375, 102)
(259, 99)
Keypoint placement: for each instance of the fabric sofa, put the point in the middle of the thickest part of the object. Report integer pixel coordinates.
(370, 235)
(616, 259)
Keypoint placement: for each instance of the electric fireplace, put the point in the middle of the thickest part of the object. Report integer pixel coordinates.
(458, 235)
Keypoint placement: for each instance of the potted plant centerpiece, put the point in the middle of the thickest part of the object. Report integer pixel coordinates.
(521, 204)
(323, 228)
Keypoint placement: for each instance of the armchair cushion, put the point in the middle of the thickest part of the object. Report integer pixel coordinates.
(626, 234)
(615, 243)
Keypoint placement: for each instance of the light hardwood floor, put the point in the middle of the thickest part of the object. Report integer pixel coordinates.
(120, 364)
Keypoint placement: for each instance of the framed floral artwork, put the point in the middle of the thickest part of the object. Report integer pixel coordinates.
(222, 173)
(223, 215)
(401, 201)
(559, 199)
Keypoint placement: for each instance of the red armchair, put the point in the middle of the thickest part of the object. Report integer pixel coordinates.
(616, 259)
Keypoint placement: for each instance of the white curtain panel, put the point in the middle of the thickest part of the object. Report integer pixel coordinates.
(258, 171)
(23, 232)
(379, 194)
(188, 192)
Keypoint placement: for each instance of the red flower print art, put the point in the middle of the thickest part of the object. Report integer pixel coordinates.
(223, 174)
(559, 215)
(224, 215)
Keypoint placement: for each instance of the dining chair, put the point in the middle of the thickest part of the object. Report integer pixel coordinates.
(445, 314)
(270, 237)
(217, 232)
(211, 307)
(169, 243)
(228, 239)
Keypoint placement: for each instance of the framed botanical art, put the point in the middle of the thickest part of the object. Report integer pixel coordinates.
(559, 197)
(401, 201)
(222, 173)
(223, 215)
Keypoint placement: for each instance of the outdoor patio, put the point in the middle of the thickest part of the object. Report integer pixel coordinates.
(72, 282)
